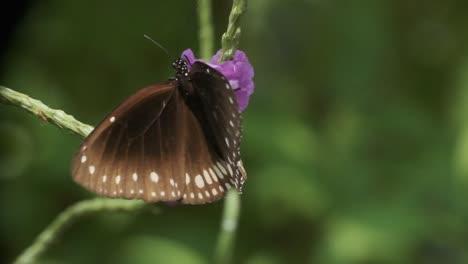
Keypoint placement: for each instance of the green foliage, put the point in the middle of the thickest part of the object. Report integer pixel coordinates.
(152, 249)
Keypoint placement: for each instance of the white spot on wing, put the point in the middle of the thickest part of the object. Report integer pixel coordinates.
(154, 177)
(104, 178)
(112, 119)
(199, 181)
(231, 123)
(221, 167)
(200, 195)
(83, 159)
(229, 169)
(171, 181)
(218, 172)
(135, 176)
(117, 179)
(207, 177)
(92, 169)
(214, 191)
(187, 178)
(213, 175)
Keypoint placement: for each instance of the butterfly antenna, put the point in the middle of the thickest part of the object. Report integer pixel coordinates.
(157, 44)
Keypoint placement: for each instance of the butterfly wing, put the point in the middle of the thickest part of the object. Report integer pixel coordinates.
(220, 117)
(116, 146)
(152, 147)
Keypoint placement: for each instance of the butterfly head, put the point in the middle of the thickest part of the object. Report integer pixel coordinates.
(180, 65)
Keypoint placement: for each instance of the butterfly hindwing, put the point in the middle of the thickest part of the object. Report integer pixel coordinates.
(220, 116)
(203, 179)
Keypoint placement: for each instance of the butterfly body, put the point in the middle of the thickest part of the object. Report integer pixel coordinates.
(174, 141)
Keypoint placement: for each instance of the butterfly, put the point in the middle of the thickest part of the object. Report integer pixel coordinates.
(174, 141)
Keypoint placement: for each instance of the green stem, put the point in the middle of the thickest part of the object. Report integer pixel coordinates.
(205, 29)
(39, 109)
(68, 217)
(227, 234)
(230, 39)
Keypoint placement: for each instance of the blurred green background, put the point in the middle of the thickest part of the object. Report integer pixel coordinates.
(356, 139)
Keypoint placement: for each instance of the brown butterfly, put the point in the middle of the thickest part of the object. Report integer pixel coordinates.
(174, 141)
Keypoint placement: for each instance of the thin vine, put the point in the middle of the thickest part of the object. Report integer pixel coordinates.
(71, 215)
(56, 117)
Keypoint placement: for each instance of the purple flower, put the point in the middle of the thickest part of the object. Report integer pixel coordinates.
(238, 71)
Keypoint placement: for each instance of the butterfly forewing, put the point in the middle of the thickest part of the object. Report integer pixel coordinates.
(112, 159)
